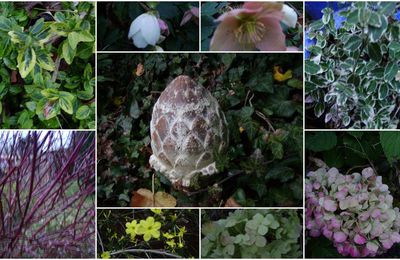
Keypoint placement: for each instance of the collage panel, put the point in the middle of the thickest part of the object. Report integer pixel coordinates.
(352, 73)
(148, 26)
(47, 194)
(200, 130)
(352, 193)
(252, 233)
(47, 65)
(251, 26)
(148, 233)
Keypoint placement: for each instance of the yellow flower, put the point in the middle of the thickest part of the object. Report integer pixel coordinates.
(279, 76)
(105, 255)
(149, 228)
(182, 231)
(168, 235)
(131, 229)
(180, 245)
(171, 243)
(156, 211)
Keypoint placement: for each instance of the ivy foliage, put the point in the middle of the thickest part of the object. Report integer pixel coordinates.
(263, 165)
(155, 233)
(210, 11)
(352, 76)
(351, 152)
(46, 65)
(246, 233)
(115, 18)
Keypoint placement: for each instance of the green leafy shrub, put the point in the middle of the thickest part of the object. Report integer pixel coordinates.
(148, 233)
(352, 76)
(263, 165)
(253, 234)
(114, 20)
(46, 65)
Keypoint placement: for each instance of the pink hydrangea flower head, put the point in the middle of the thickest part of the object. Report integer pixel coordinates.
(254, 26)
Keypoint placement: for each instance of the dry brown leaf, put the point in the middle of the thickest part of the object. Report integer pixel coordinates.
(231, 202)
(139, 70)
(144, 198)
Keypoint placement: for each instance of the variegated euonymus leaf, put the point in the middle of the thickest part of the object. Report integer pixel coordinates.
(47, 65)
(353, 71)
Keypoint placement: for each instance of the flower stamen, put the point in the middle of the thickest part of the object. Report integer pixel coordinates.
(250, 32)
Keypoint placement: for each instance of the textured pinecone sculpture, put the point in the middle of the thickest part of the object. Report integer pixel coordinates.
(187, 128)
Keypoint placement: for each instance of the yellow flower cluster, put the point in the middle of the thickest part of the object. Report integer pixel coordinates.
(148, 228)
(175, 239)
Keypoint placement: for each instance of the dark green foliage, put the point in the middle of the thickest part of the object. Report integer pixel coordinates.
(47, 65)
(263, 164)
(115, 18)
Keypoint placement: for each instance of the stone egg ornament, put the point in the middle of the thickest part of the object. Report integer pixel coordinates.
(187, 128)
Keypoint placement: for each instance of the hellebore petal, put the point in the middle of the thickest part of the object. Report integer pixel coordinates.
(327, 233)
(289, 16)
(163, 27)
(224, 38)
(339, 237)
(144, 30)
(375, 213)
(359, 239)
(275, 39)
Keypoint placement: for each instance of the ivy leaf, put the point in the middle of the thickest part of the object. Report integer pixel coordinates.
(66, 102)
(26, 61)
(390, 142)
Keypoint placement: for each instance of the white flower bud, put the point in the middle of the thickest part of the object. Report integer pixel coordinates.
(144, 30)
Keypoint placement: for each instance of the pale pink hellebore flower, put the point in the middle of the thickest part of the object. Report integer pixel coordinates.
(254, 26)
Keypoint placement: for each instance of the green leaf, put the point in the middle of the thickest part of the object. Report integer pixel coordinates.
(76, 37)
(68, 53)
(263, 83)
(374, 52)
(5, 24)
(45, 61)
(66, 102)
(394, 50)
(26, 61)
(319, 109)
(321, 141)
(50, 93)
(383, 91)
(37, 26)
(374, 20)
(387, 8)
(375, 33)
(390, 142)
(353, 43)
(391, 70)
(24, 120)
(312, 68)
(1, 107)
(83, 112)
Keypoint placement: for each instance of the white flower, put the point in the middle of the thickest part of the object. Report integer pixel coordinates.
(144, 30)
(289, 16)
